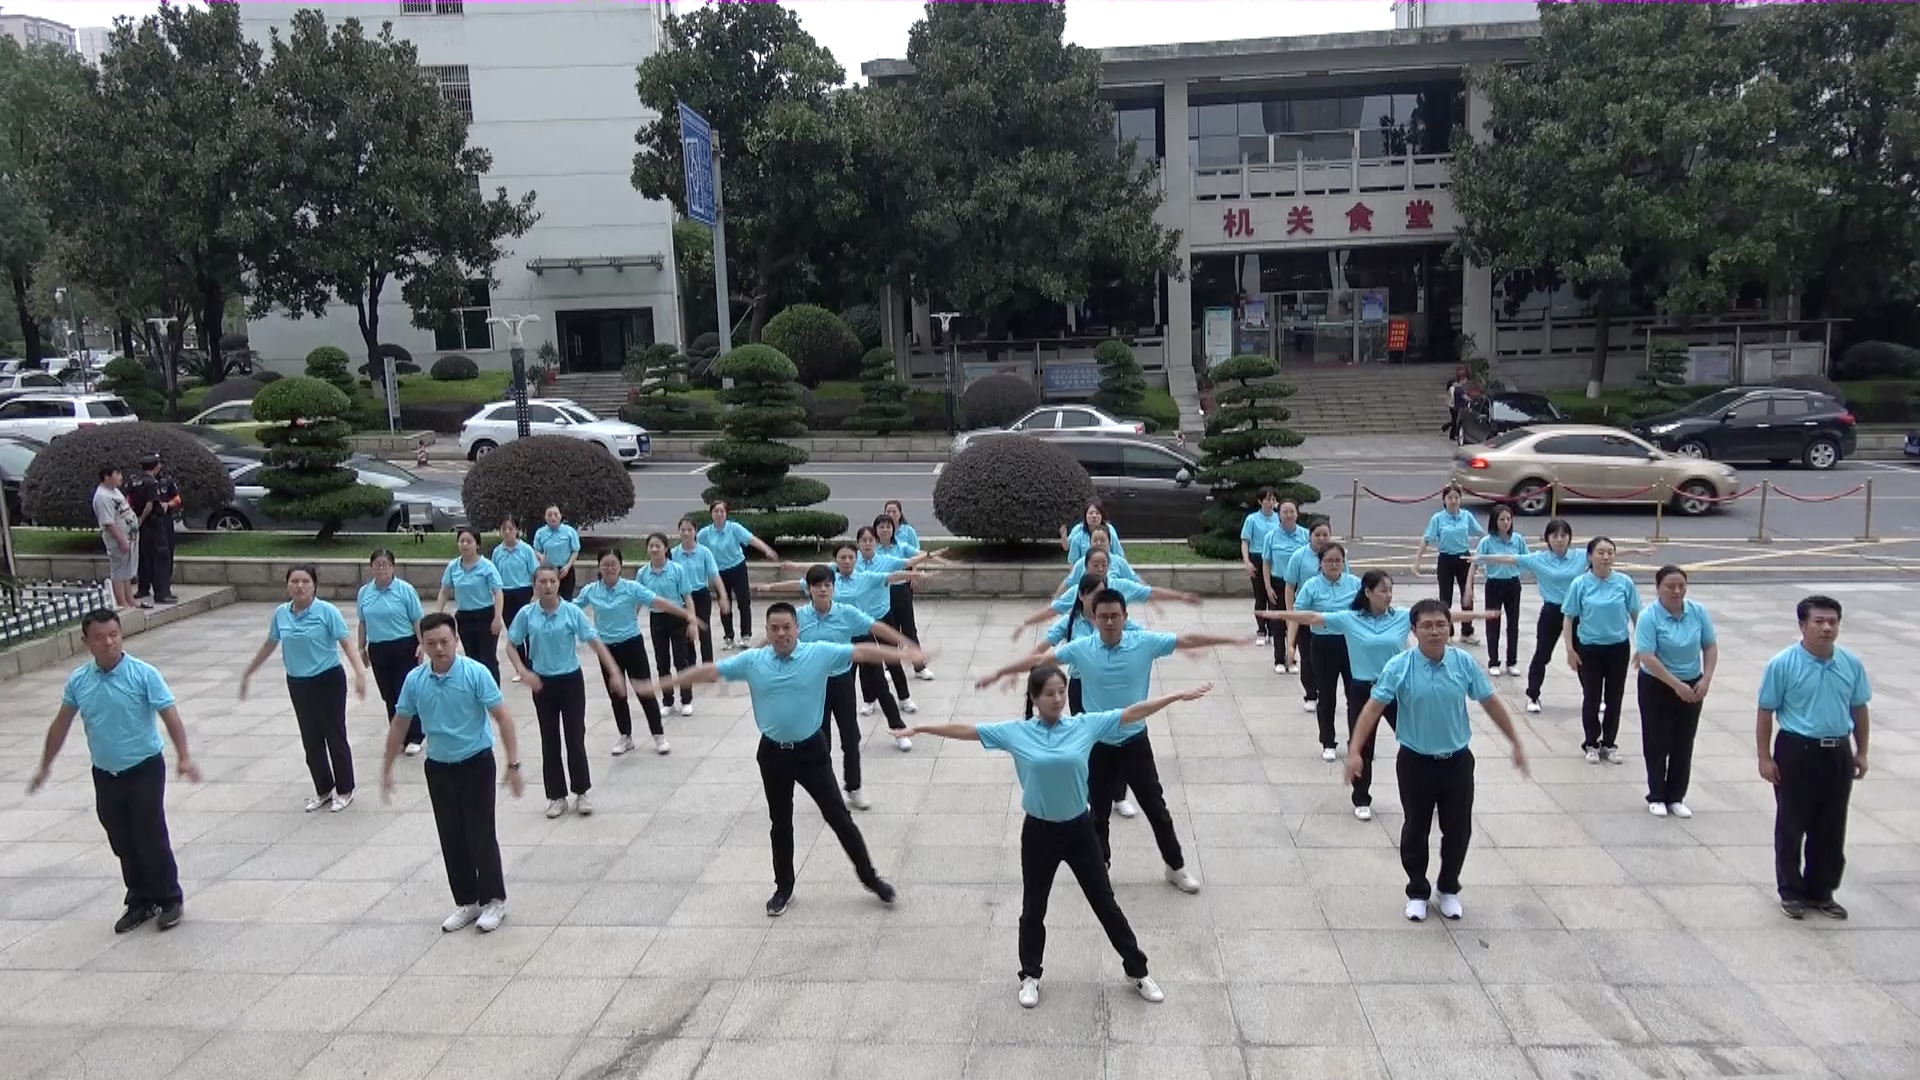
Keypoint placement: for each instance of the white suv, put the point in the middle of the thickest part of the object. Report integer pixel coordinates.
(45, 415)
(486, 430)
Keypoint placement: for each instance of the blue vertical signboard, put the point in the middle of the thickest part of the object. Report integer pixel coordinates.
(696, 155)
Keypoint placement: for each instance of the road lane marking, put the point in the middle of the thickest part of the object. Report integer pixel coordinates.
(702, 470)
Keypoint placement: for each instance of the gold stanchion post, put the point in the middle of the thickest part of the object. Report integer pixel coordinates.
(1760, 530)
(1866, 532)
(1353, 513)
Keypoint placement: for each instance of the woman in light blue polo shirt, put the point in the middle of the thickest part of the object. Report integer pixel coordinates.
(1503, 587)
(516, 560)
(872, 560)
(388, 619)
(673, 636)
(903, 531)
(1677, 650)
(1601, 605)
(1287, 654)
(1285, 540)
(1079, 540)
(473, 583)
(1255, 528)
(558, 545)
(729, 541)
(1330, 590)
(1050, 748)
(615, 603)
(900, 613)
(1452, 531)
(553, 630)
(1099, 563)
(312, 638)
(703, 574)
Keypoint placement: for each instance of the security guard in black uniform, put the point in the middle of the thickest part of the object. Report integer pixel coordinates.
(156, 499)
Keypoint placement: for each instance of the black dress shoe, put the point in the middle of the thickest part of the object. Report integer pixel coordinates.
(777, 903)
(168, 918)
(1828, 908)
(880, 888)
(1793, 909)
(169, 599)
(137, 914)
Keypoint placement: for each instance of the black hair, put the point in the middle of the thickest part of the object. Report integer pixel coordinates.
(1666, 572)
(96, 617)
(819, 575)
(665, 544)
(510, 519)
(687, 519)
(1268, 493)
(1089, 584)
(381, 553)
(554, 570)
(308, 569)
(898, 503)
(434, 620)
(1493, 520)
(1110, 596)
(845, 545)
(864, 532)
(1037, 681)
(1317, 524)
(613, 551)
(883, 519)
(1555, 527)
(781, 607)
(108, 470)
(467, 530)
(1597, 541)
(1368, 582)
(1334, 545)
(1805, 608)
(1424, 608)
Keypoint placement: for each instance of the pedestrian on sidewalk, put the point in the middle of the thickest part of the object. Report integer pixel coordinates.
(615, 603)
(1503, 587)
(116, 697)
(1452, 531)
(479, 601)
(673, 635)
(703, 574)
(312, 638)
(516, 561)
(120, 533)
(387, 616)
(1601, 608)
(1332, 589)
(728, 540)
(451, 697)
(1431, 683)
(1676, 647)
(155, 498)
(558, 545)
(823, 620)
(552, 630)
(1818, 692)
(1304, 565)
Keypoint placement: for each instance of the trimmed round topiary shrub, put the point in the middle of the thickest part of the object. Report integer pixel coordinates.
(228, 390)
(883, 397)
(816, 340)
(752, 458)
(329, 365)
(1877, 360)
(454, 368)
(264, 376)
(526, 476)
(1011, 488)
(58, 488)
(997, 400)
(705, 346)
(864, 321)
(1123, 385)
(128, 378)
(306, 449)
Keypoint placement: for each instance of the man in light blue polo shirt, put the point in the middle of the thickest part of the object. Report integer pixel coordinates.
(787, 679)
(116, 698)
(824, 620)
(1818, 692)
(450, 697)
(1429, 684)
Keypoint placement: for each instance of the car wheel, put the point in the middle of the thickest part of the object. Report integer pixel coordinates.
(481, 448)
(1822, 454)
(228, 521)
(1531, 498)
(1693, 448)
(1694, 497)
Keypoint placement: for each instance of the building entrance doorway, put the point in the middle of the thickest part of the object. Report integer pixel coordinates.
(600, 340)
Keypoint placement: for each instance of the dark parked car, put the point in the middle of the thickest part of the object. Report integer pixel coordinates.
(1757, 423)
(1147, 486)
(1491, 414)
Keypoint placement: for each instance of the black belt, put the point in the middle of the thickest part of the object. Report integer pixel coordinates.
(1434, 757)
(1824, 744)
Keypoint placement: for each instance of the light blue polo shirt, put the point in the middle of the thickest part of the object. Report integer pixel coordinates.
(668, 581)
(1432, 699)
(1372, 640)
(516, 565)
(1134, 592)
(551, 637)
(728, 543)
(1070, 627)
(897, 550)
(119, 711)
(787, 690)
(1255, 530)
(452, 708)
(880, 563)
(1304, 564)
(1282, 544)
(558, 545)
(473, 587)
(389, 614)
(1078, 545)
(1452, 532)
(1675, 641)
(1604, 606)
(1553, 573)
(309, 640)
(1051, 759)
(614, 610)
(697, 564)
(906, 534)
(864, 590)
(1514, 544)
(839, 626)
(1117, 570)
(1319, 594)
(1811, 697)
(1117, 676)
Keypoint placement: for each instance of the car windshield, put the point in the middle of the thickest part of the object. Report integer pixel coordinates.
(386, 469)
(1508, 438)
(577, 414)
(1712, 403)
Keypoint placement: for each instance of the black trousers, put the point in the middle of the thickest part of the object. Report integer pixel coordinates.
(843, 708)
(630, 656)
(462, 797)
(1432, 786)
(1503, 595)
(1309, 678)
(566, 584)
(1363, 785)
(1810, 815)
(475, 626)
(1546, 638)
(1044, 845)
(156, 556)
(740, 596)
(391, 661)
(1603, 682)
(1331, 672)
(1453, 571)
(1277, 632)
(132, 808)
(1667, 729)
(808, 764)
(671, 650)
(900, 614)
(1258, 581)
(320, 708)
(1111, 771)
(511, 601)
(703, 610)
(561, 706)
(894, 669)
(873, 687)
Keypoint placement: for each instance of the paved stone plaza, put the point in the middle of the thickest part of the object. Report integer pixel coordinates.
(1598, 941)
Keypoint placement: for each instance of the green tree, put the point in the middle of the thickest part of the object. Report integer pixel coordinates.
(1661, 385)
(306, 478)
(329, 365)
(758, 447)
(693, 257)
(660, 374)
(1123, 385)
(1628, 155)
(1248, 418)
(128, 378)
(372, 182)
(819, 343)
(883, 397)
(38, 87)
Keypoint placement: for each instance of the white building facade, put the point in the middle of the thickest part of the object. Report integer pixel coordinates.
(31, 30)
(550, 91)
(1419, 14)
(93, 42)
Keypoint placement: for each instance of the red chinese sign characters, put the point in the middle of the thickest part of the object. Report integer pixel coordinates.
(1360, 218)
(1300, 220)
(1237, 222)
(1420, 214)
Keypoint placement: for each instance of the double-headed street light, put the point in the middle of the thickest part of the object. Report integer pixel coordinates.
(953, 364)
(523, 423)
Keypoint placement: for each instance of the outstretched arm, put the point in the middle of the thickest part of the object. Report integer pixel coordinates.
(1023, 663)
(1161, 592)
(703, 673)
(1300, 618)
(881, 654)
(1137, 714)
(774, 588)
(1035, 619)
(1189, 642)
(968, 732)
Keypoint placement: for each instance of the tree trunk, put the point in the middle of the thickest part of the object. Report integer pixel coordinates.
(126, 336)
(210, 318)
(29, 330)
(1602, 335)
(367, 305)
(170, 368)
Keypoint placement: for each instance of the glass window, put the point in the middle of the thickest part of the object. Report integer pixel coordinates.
(1097, 457)
(1572, 446)
(1222, 119)
(1620, 446)
(15, 457)
(247, 474)
(386, 469)
(110, 407)
(1791, 406)
(577, 414)
(542, 414)
(1254, 149)
(1077, 418)
(1038, 420)
(1216, 152)
(467, 329)
(38, 380)
(1149, 464)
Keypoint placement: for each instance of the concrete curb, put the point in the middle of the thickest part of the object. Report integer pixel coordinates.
(66, 645)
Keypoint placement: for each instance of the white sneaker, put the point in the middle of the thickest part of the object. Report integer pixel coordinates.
(1679, 810)
(413, 749)
(858, 800)
(1149, 989)
(1533, 706)
(1416, 911)
(1657, 809)
(1493, 668)
(462, 917)
(1279, 669)
(1309, 705)
(556, 807)
(1450, 905)
(516, 678)
(318, 801)
(1613, 756)
(623, 746)
(924, 674)
(1364, 813)
(660, 745)
(491, 915)
(1259, 639)
(866, 708)
(1593, 755)
(340, 802)
(686, 708)
(730, 645)
(1125, 808)
(1327, 753)
(1182, 880)
(1029, 993)
(909, 705)
(903, 744)
(582, 805)
(1512, 671)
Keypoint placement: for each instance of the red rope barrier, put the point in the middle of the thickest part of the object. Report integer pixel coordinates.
(1578, 494)
(1855, 489)
(1402, 501)
(1696, 497)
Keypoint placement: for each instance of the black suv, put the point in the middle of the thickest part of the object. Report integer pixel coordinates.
(1757, 423)
(1147, 487)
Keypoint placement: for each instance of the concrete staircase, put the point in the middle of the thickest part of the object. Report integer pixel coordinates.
(1184, 386)
(600, 392)
(1368, 399)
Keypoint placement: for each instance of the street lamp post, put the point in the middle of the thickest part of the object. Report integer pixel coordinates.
(523, 424)
(953, 361)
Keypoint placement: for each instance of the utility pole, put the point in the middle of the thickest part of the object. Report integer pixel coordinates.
(523, 424)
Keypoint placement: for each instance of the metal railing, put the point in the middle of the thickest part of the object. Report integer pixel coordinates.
(35, 608)
(1300, 163)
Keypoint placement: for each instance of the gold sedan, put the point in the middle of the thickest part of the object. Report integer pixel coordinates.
(1591, 464)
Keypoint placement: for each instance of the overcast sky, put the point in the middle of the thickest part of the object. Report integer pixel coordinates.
(862, 30)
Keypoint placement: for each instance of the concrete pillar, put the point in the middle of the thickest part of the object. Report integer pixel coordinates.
(1177, 183)
(1476, 316)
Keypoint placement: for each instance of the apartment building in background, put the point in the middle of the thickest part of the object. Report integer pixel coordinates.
(93, 42)
(1419, 14)
(29, 30)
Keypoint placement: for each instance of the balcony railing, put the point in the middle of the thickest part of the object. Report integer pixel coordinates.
(1366, 167)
